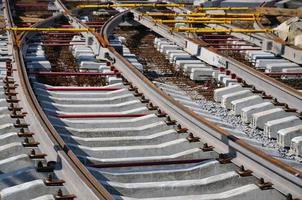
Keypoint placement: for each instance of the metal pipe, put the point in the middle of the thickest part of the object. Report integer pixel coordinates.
(134, 5)
(48, 29)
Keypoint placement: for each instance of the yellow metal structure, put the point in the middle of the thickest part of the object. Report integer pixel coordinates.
(131, 5)
(222, 18)
(194, 14)
(173, 14)
(212, 30)
(194, 22)
(223, 8)
(49, 29)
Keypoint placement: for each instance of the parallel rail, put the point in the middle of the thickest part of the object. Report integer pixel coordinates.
(85, 176)
(285, 178)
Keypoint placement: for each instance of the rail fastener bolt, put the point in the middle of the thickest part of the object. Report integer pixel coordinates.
(265, 96)
(137, 93)
(50, 181)
(23, 133)
(28, 143)
(244, 172)
(34, 155)
(192, 138)
(244, 84)
(264, 185)
(61, 196)
(224, 158)
(180, 129)
(18, 124)
(50, 166)
(169, 121)
(150, 106)
(206, 147)
(143, 99)
(254, 90)
(160, 113)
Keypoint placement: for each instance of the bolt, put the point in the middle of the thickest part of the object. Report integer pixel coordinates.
(11, 106)
(32, 152)
(275, 100)
(168, 118)
(26, 140)
(49, 177)
(40, 164)
(22, 130)
(261, 181)
(159, 111)
(60, 193)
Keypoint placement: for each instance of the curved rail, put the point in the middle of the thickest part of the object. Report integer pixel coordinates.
(99, 191)
(271, 86)
(285, 177)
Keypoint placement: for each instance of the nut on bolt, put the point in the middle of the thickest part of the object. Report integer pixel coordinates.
(206, 147)
(264, 185)
(192, 138)
(160, 113)
(244, 172)
(180, 129)
(150, 106)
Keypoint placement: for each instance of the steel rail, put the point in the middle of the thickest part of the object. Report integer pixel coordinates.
(286, 178)
(99, 191)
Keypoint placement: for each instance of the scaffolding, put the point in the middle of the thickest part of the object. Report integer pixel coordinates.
(134, 5)
(220, 30)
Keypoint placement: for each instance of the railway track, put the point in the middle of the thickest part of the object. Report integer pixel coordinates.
(269, 85)
(130, 135)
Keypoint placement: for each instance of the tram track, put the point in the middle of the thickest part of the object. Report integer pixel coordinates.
(128, 63)
(131, 171)
(72, 166)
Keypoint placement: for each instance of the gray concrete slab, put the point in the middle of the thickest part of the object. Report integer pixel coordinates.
(229, 97)
(239, 104)
(286, 135)
(218, 93)
(247, 112)
(260, 118)
(272, 127)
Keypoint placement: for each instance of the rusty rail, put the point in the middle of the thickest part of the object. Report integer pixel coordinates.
(80, 169)
(242, 149)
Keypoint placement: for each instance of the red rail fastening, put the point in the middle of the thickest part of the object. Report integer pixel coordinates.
(81, 89)
(214, 40)
(75, 73)
(98, 115)
(56, 44)
(217, 35)
(239, 80)
(233, 76)
(240, 49)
